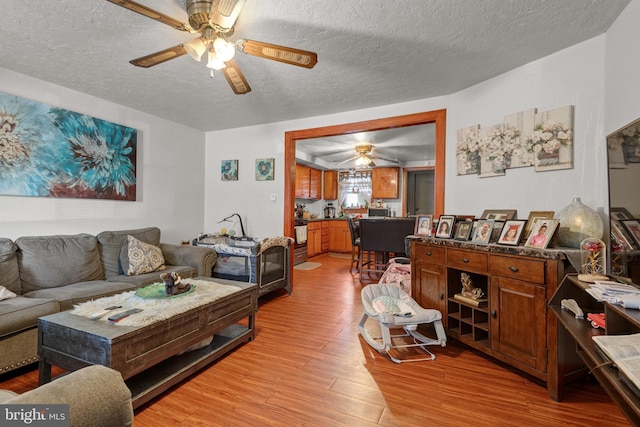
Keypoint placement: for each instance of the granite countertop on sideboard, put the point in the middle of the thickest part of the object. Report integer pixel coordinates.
(549, 253)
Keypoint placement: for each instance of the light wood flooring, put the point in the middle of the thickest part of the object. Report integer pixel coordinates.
(309, 367)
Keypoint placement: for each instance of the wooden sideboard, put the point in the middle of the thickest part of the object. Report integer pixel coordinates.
(518, 282)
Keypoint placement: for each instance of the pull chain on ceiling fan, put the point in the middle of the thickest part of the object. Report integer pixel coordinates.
(215, 20)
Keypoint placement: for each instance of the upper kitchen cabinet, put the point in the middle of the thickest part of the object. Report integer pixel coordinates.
(308, 182)
(384, 183)
(330, 185)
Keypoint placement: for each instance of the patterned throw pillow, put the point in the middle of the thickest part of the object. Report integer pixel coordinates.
(143, 257)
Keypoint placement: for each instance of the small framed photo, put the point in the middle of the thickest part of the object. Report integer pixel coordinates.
(463, 230)
(445, 226)
(423, 225)
(620, 236)
(229, 170)
(482, 231)
(534, 216)
(264, 169)
(511, 232)
(633, 228)
(499, 214)
(620, 213)
(541, 233)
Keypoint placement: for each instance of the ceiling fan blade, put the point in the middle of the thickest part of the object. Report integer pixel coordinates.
(235, 78)
(153, 14)
(347, 161)
(224, 13)
(288, 55)
(385, 159)
(159, 57)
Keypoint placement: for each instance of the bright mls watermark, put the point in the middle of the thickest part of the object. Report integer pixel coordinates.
(34, 415)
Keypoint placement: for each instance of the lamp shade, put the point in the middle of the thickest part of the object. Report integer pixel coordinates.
(195, 48)
(214, 62)
(224, 50)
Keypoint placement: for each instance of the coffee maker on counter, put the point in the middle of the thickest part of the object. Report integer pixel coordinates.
(329, 211)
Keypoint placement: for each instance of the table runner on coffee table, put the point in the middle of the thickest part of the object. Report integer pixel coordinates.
(154, 310)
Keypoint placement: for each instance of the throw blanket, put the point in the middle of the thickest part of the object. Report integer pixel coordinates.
(155, 310)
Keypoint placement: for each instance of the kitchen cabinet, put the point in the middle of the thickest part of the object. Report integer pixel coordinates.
(339, 236)
(308, 182)
(330, 188)
(324, 232)
(512, 325)
(317, 237)
(385, 183)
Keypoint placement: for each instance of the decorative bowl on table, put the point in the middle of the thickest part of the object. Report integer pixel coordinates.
(157, 291)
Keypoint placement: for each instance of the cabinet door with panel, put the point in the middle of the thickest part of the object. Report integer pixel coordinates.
(339, 236)
(518, 321)
(330, 189)
(302, 181)
(384, 183)
(315, 183)
(314, 238)
(428, 277)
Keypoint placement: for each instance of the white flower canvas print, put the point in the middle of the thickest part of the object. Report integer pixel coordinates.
(552, 140)
(468, 158)
(524, 122)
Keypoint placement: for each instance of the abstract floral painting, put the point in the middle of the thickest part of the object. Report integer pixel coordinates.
(264, 169)
(229, 170)
(47, 151)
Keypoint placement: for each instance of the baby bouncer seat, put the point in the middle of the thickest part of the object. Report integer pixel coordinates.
(393, 308)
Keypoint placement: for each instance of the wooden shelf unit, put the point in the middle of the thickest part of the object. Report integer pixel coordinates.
(512, 327)
(576, 352)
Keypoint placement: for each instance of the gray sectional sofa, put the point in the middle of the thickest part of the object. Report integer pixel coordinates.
(53, 273)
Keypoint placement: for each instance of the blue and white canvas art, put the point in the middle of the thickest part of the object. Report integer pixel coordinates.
(47, 151)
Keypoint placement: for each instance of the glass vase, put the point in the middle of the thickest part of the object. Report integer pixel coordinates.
(578, 222)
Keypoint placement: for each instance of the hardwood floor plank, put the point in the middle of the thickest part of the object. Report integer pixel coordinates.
(308, 366)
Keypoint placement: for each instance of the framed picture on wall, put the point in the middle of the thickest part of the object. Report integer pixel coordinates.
(229, 170)
(620, 213)
(423, 225)
(264, 169)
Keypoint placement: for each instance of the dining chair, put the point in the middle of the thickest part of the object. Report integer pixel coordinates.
(378, 239)
(355, 242)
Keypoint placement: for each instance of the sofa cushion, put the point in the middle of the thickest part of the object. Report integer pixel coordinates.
(113, 248)
(143, 257)
(53, 261)
(18, 314)
(68, 296)
(9, 272)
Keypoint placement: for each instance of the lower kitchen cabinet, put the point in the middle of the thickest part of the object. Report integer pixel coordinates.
(512, 324)
(339, 236)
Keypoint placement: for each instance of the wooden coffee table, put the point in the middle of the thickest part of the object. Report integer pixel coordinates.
(146, 356)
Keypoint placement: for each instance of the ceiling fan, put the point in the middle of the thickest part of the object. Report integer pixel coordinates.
(215, 20)
(364, 158)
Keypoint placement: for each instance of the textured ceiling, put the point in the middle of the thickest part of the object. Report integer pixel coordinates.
(370, 52)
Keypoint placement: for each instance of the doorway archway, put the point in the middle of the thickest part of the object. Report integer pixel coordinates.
(438, 117)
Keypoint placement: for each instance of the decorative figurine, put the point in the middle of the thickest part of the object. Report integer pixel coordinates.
(173, 284)
(467, 287)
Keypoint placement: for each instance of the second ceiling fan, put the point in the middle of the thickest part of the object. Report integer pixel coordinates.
(215, 20)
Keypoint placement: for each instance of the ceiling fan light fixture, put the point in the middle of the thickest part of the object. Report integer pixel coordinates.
(214, 62)
(225, 50)
(195, 48)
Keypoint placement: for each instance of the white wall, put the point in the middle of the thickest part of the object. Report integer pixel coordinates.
(250, 198)
(574, 76)
(170, 171)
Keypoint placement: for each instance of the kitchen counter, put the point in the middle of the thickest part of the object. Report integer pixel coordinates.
(328, 219)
